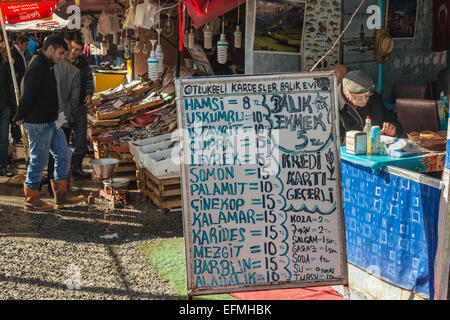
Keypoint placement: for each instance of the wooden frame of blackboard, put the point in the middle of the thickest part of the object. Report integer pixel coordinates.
(339, 210)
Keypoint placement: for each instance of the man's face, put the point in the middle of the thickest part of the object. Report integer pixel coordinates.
(75, 51)
(23, 46)
(360, 99)
(3, 51)
(67, 53)
(55, 55)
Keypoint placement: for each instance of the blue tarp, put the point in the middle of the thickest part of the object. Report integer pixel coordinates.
(391, 227)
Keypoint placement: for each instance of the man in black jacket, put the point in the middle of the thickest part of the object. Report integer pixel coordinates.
(18, 53)
(38, 112)
(357, 100)
(79, 114)
(7, 105)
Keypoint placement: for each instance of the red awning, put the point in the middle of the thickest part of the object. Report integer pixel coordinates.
(15, 11)
(202, 11)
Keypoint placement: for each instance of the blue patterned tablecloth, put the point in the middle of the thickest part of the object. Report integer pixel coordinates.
(391, 226)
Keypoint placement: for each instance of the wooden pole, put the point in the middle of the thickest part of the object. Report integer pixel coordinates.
(13, 76)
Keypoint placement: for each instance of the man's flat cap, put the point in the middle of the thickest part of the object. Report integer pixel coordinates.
(357, 82)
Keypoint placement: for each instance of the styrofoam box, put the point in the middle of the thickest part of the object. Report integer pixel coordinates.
(160, 155)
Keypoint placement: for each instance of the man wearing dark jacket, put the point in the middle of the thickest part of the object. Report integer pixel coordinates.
(7, 105)
(38, 112)
(18, 53)
(79, 114)
(357, 100)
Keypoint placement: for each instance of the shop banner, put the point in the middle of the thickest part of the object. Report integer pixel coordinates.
(202, 11)
(16, 11)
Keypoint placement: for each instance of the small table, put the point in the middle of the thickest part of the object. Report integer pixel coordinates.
(424, 162)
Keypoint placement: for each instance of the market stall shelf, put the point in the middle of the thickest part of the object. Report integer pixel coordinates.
(128, 109)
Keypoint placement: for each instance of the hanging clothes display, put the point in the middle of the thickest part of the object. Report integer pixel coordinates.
(85, 29)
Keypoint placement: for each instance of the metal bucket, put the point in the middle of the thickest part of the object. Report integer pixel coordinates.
(104, 168)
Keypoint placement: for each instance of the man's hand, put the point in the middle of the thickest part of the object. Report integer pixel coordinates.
(21, 122)
(87, 100)
(388, 129)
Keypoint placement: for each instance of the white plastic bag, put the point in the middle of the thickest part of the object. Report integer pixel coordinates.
(104, 24)
(147, 15)
(115, 24)
(85, 30)
(129, 17)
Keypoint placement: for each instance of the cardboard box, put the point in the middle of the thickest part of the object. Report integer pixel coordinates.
(356, 142)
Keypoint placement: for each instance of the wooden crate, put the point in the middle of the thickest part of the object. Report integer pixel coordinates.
(100, 149)
(165, 193)
(128, 109)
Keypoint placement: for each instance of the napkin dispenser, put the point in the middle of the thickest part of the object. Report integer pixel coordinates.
(356, 142)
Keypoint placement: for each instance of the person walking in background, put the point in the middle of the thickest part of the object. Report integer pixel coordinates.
(7, 107)
(68, 81)
(79, 114)
(19, 53)
(38, 112)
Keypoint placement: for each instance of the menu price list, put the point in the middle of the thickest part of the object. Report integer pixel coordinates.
(246, 228)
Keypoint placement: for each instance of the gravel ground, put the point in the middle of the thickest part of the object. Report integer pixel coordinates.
(63, 254)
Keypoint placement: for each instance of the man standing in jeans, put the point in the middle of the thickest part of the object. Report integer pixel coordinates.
(38, 112)
(79, 113)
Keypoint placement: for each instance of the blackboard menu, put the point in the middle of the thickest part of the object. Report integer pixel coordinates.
(261, 184)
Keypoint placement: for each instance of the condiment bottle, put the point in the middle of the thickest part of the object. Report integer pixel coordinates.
(368, 130)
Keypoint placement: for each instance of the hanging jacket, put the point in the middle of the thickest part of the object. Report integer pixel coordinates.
(86, 78)
(7, 96)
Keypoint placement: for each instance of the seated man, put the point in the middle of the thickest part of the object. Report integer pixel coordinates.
(357, 100)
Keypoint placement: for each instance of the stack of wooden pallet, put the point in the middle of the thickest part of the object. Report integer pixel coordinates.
(164, 192)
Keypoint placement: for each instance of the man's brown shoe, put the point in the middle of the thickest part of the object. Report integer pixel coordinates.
(33, 201)
(62, 196)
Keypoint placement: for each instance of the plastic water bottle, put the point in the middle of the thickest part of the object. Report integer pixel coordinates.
(442, 111)
(368, 130)
(375, 137)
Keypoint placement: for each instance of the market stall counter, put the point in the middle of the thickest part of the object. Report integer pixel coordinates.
(391, 217)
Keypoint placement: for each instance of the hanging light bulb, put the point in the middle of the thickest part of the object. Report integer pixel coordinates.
(153, 63)
(222, 49)
(159, 54)
(186, 37)
(191, 39)
(238, 33)
(136, 48)
(237, 37)
(145, 49)
(207, 35)
(222, 45)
